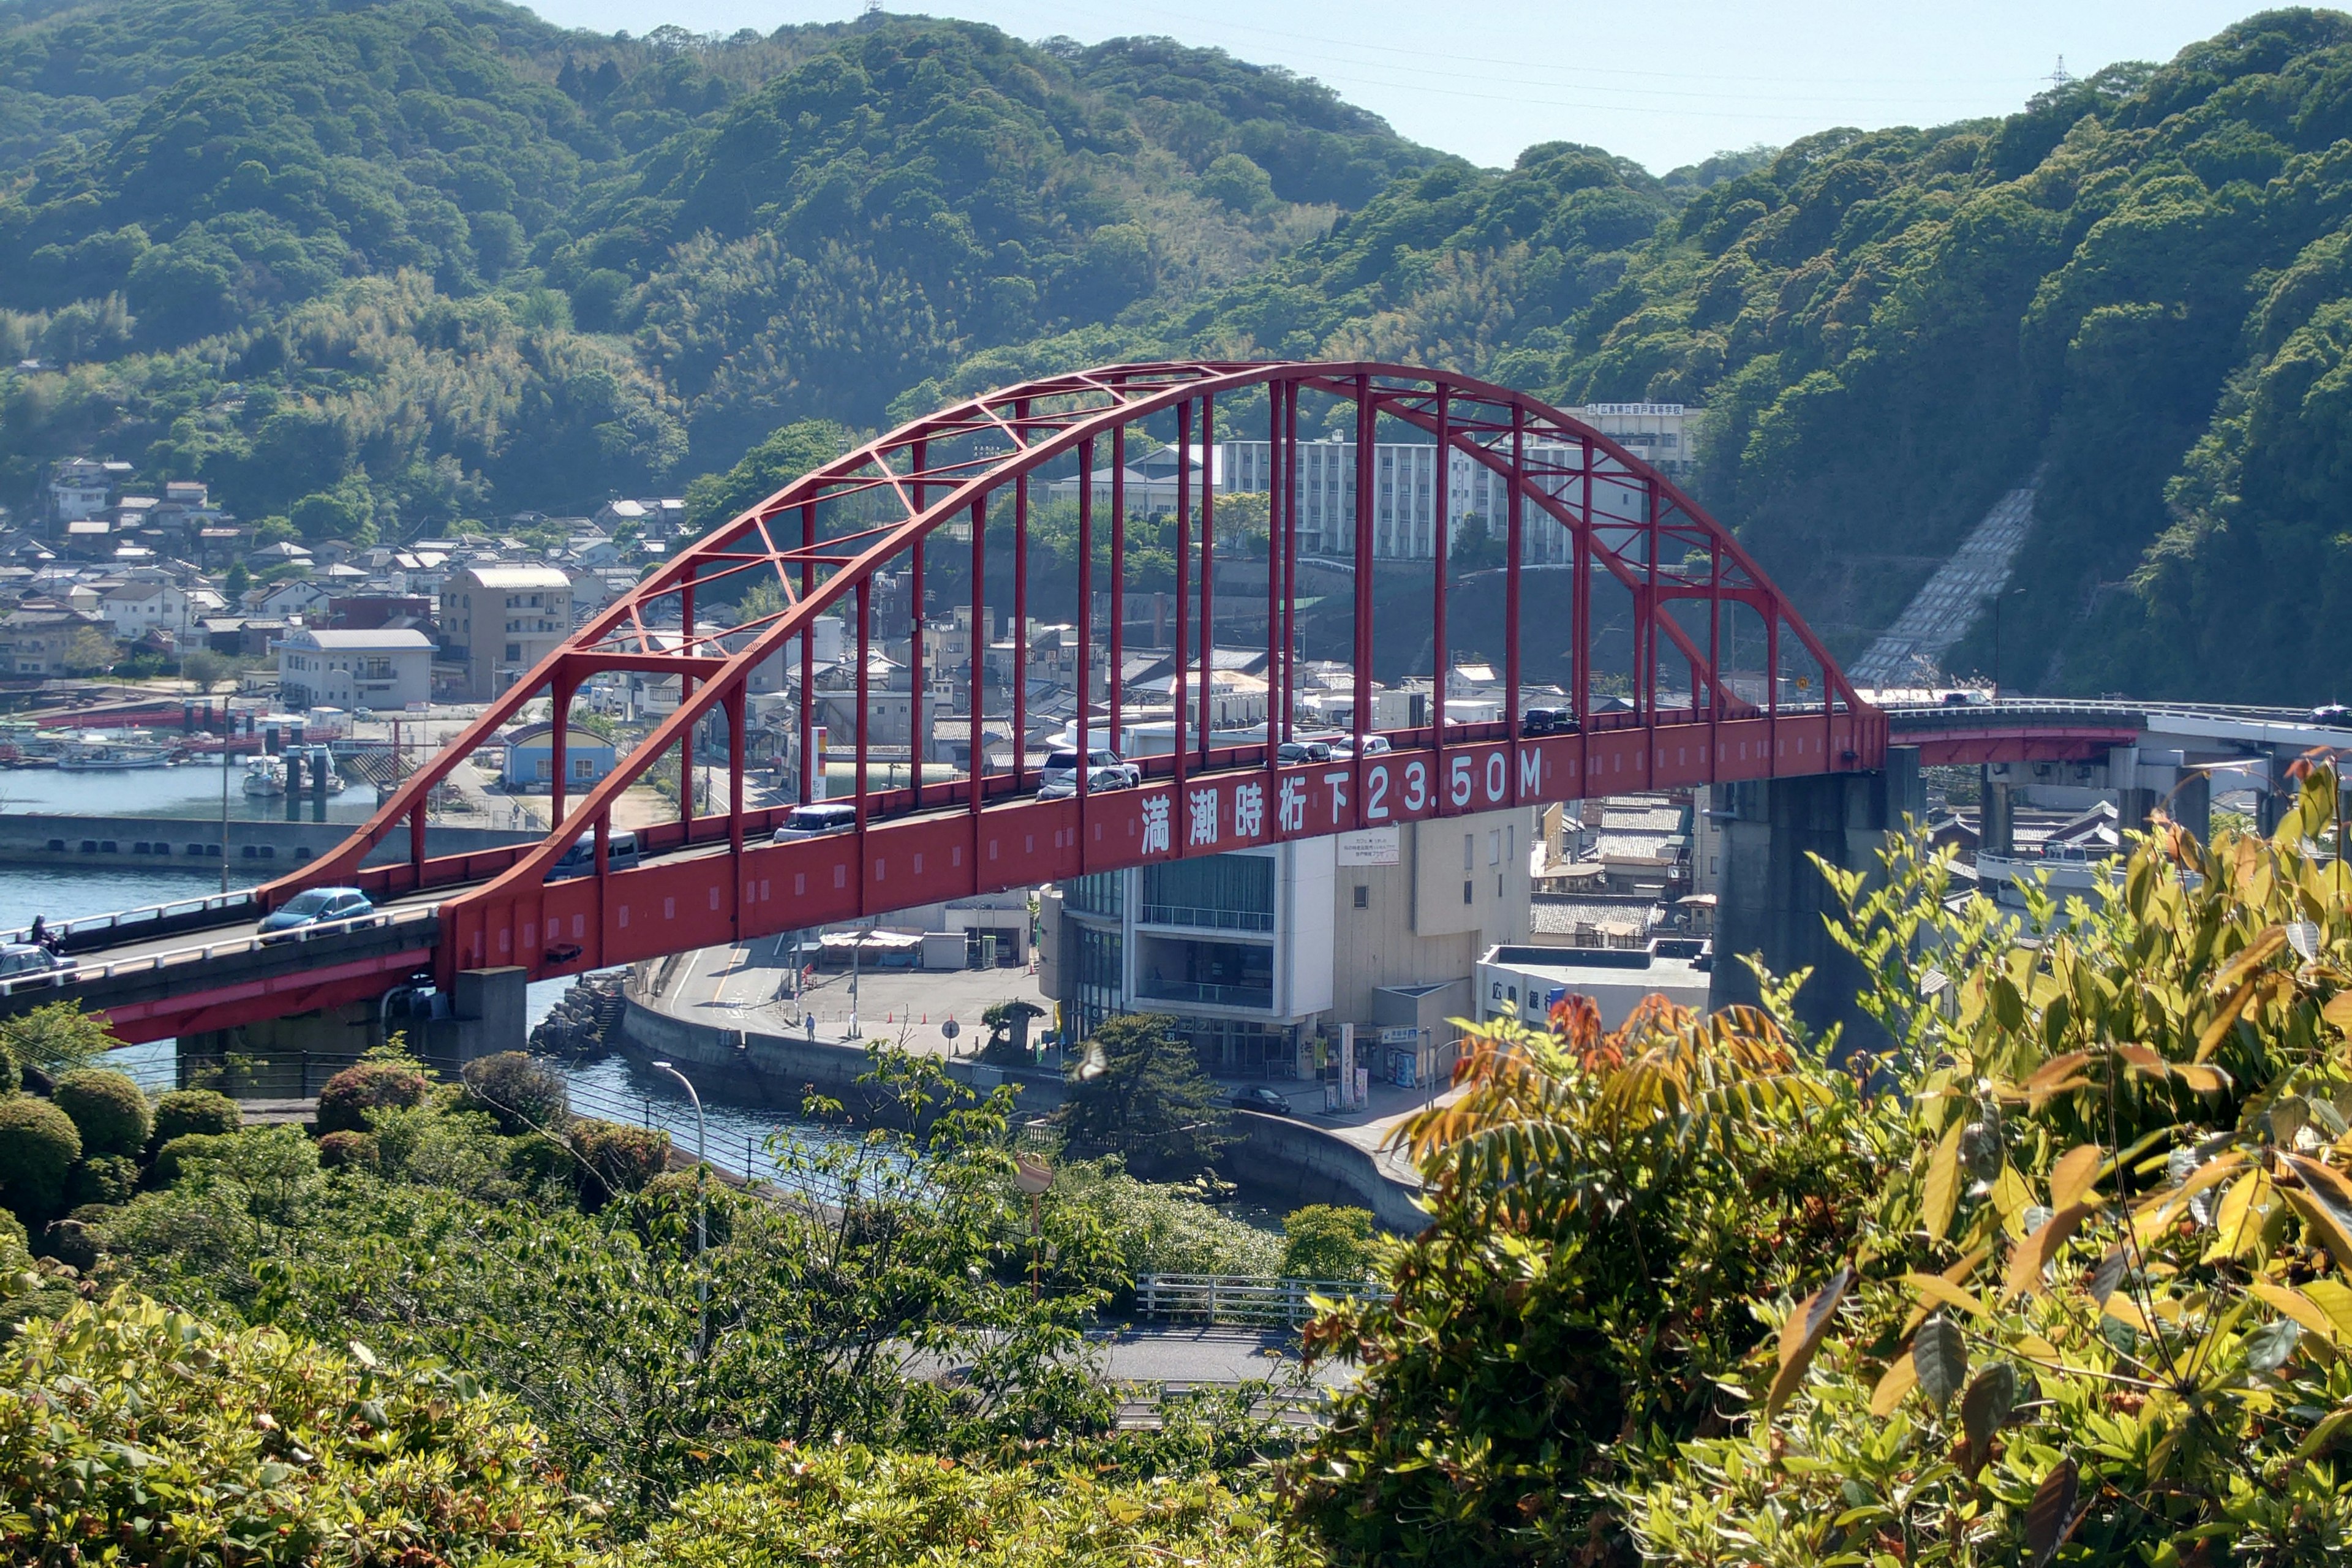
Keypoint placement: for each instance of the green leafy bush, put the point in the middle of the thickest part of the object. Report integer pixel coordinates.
(864, 1510)
(175, 1442)
(55, 1039)
(341, 1149)
(346, 1098)
(1160, 1227)
(103, 1179)
(1324, 1241)
(183, 1110)
(38, 1147)
(109, 1110)
(615, 1158)
(174, 1159)
(522, 1093)
(1606, 1207)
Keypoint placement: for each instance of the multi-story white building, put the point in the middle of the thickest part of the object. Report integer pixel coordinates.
(79, 489)
(135, 608)
(500, 621)
(385, 668)
(1261, 953)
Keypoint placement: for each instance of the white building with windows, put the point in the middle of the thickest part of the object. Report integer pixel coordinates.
(1261, 953)
(384, 669)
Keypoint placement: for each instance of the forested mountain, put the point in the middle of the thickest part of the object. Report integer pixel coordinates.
(436, 259)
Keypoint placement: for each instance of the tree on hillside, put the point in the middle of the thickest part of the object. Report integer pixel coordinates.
(1139, 1091)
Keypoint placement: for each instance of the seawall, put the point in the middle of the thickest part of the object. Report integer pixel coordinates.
(257, 850)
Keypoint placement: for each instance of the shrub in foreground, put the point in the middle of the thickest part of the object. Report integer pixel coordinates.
(863, 1510)
(520, 1092)
(347, 1097)
(38, 1146)
(171, 1441)
(109, 1110)
(618, 1158)
(183, 1110)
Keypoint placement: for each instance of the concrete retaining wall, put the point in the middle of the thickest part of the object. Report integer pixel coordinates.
(258, 851)
(1306, 1165)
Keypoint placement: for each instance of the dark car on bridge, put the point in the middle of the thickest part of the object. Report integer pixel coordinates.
(1261, 1098)
(315, 907)
(621, 854)
(2335, 715)
(1548, 722)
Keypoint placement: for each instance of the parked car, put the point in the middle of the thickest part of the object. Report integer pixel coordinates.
(1102, 779)
(2335, 715)
(1548, 722)
(621, 854)
(1264, 1097)
(1374, 745)
(816, 820)
(316, 907)
(1302, 751)
(1063, 766)
(23, 961)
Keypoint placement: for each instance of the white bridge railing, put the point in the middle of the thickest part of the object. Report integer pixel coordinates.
(1248, 1299)
(147, 963)
(125, 923)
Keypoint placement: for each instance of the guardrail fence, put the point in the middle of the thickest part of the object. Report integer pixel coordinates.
(1250, 1299)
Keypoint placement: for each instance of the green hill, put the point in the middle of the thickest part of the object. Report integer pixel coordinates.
(436, 259)
(443, 260)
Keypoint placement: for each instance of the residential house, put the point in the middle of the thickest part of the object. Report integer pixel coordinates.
(348, 669)
(295, 596)
(134, 608)
(78, 490)
(40, 636)
(530, 758)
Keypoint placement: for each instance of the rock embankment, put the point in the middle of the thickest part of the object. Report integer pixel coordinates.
(583, 1022)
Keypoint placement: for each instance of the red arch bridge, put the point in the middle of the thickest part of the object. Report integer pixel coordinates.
(1681, 665)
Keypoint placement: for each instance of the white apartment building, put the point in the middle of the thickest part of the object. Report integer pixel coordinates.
(1261, 953)
(384, 669)
(500, 621)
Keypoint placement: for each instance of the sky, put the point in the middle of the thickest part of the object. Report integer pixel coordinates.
(1664, 83)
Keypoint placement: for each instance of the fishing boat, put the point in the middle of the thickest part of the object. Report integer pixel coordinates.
(108, 756)
(263, 776)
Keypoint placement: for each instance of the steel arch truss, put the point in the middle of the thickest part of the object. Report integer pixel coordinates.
(1717, 677)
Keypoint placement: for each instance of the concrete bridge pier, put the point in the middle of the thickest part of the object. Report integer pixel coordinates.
(1996, 831)
(290, 1058)
(1772, 898)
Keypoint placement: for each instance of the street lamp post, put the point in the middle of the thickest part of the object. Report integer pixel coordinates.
(702, 1229)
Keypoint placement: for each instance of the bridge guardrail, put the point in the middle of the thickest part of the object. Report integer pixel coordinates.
(78, 974)
(1242, 1298)
(225, 904)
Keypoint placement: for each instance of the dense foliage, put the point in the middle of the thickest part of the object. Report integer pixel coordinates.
(131, 1433)
(1138, 1092)
(2061, 1277)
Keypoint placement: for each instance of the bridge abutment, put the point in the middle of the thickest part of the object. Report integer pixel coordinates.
(1772, 899)
(291, 1057)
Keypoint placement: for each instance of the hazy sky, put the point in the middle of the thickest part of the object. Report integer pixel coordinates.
(1663, 81)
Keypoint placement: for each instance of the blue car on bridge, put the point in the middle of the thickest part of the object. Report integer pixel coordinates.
(314, 906)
